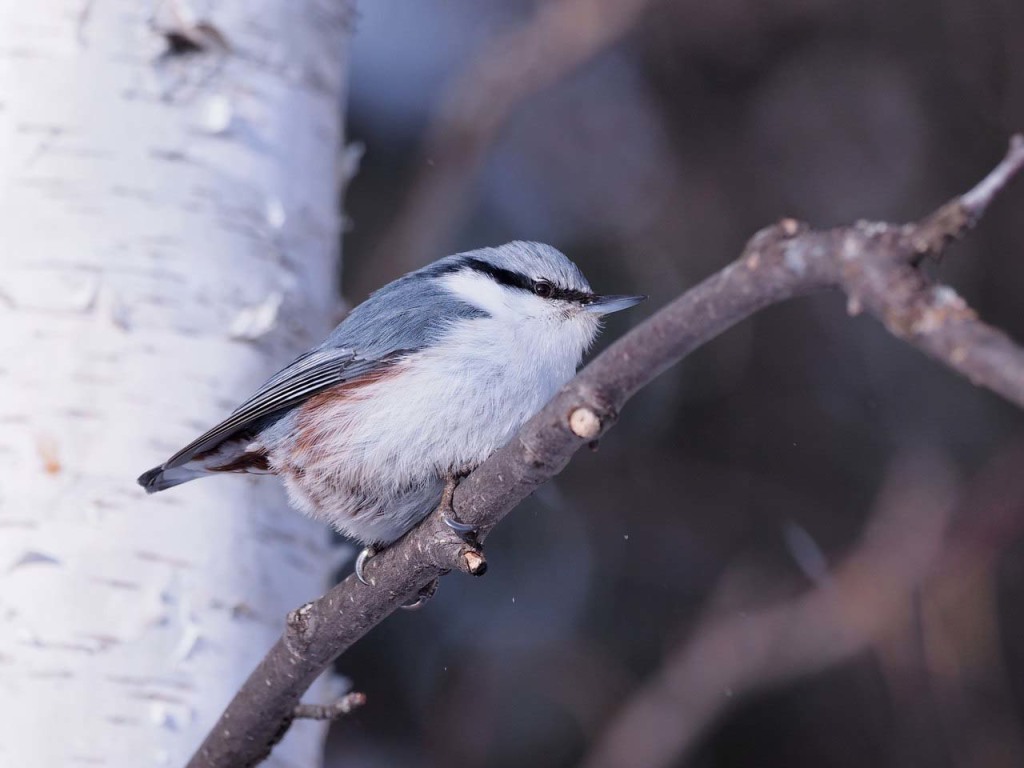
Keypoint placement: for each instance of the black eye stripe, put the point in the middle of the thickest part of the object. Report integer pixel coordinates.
(524, 283)
(567, 294)
(503, 276)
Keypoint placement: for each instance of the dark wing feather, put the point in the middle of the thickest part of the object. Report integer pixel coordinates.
(309, 374)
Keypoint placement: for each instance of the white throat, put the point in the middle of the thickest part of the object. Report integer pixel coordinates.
(548, 336)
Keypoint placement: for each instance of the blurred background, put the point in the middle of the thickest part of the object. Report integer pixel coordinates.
(800, 547)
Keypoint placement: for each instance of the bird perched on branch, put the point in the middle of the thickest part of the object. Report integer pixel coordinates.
(416, 387)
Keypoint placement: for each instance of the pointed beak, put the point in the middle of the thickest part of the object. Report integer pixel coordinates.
(605, 305)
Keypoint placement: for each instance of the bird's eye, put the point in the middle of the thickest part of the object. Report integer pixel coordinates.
(543, 288)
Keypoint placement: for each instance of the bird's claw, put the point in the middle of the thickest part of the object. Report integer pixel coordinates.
(361, 560)
(465, 531)
(457, 526)
(423, 597)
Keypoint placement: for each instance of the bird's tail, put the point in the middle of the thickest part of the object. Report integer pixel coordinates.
(230, 456)
(160, 479)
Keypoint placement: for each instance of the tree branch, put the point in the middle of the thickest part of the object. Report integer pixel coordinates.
(343, 706)
(919, 536)
(733, 654)
(876, 265)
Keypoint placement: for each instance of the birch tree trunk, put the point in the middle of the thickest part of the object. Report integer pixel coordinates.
(168, 228)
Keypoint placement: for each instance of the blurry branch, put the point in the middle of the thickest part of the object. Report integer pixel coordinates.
(914, 546)
(562, 35)
(876, 265)
(734, 654)
(960, 632)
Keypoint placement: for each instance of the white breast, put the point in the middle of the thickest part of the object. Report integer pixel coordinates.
(380, 454)
(456, 403)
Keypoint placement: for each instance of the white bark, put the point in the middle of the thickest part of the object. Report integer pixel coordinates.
(168, 233)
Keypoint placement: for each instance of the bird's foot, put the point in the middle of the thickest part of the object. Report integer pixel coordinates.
(361, 560)
(422, 597)
(473, 560)
(367, 554)
(465, 531)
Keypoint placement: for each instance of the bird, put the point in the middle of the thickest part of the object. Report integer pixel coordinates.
(417, 386)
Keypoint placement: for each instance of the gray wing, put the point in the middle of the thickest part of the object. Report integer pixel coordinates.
(309, 374)
(402, 317)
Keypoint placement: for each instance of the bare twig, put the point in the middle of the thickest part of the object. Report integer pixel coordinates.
(874, 264)
(977, 200)
(733, 654)
(909, 550)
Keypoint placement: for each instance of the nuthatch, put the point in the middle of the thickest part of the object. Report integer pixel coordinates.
(416, 387)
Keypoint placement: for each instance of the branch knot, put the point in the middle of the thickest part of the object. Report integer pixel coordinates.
(300, 629)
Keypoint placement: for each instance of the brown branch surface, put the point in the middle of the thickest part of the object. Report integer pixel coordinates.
(874, 264)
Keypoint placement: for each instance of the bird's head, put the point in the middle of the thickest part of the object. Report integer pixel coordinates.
(531, 284)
